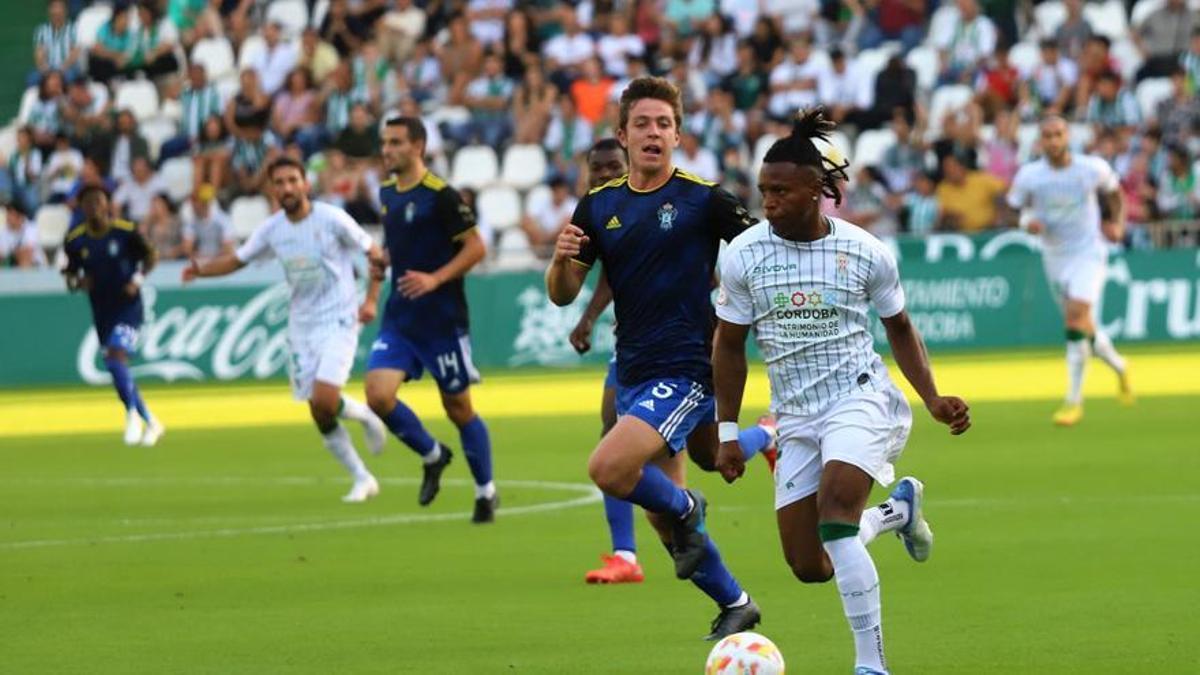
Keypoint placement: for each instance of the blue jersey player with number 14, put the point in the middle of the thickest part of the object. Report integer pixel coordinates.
(657, 232)
(431, 243)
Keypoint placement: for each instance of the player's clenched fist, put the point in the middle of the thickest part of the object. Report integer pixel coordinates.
(570, 242)
(951, 411)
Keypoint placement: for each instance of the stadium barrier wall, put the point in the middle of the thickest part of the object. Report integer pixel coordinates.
(963, 292)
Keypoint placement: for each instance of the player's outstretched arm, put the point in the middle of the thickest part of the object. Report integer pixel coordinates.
(581, 335)
(909, 351)
(729, 381)
(564, 277)
(227, 263)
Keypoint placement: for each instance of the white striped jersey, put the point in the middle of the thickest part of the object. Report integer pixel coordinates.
(809, 304)
(317, 254)
(1064, 199)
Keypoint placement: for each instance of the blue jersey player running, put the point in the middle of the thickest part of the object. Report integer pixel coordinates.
(657, 232)
(432, 243)
(109, 259)
(606, 162)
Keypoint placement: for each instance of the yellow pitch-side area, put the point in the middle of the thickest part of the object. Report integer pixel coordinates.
(186, 406)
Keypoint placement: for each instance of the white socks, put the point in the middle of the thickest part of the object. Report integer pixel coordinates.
(355, 410)
(886, 517)
(1078, 352)
(858, 584)
(628, 556)
(434, 455)
(1104, 349)
(342, 448)
(485, 491)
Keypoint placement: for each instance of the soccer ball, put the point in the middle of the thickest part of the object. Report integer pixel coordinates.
(744, 654)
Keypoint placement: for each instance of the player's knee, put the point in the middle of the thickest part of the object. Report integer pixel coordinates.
(458, 409)
(380, 399)
(609, 475)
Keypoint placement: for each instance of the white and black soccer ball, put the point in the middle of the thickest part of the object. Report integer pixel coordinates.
(745, 654)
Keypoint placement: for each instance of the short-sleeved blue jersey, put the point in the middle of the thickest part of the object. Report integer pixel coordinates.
(423, 229)
(659, 250)
(109, 261)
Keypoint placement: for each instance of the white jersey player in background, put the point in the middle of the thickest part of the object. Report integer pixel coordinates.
(806, 283)
(316, 244)
(1057, 197)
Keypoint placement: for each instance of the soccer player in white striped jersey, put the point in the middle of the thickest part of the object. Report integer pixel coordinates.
(317, 244)
(805, 282)
(1057, 198)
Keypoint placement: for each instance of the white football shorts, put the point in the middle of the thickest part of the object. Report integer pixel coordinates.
(1077, 277)
(325, 354)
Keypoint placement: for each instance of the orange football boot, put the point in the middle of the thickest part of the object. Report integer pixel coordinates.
(616, 570)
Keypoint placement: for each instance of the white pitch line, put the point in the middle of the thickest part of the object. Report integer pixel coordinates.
(590, 496)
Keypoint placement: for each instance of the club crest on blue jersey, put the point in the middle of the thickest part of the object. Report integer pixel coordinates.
(113, 248)
(410, 210)
(666, 216)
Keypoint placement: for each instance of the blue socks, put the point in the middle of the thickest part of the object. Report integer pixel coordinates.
(715, 579)
(123, 382)
(620, 523)
(753, 440)
(478, 449)
(404, 424)
(656, 493)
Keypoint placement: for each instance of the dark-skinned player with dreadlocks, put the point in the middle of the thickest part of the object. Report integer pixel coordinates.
(806, 283)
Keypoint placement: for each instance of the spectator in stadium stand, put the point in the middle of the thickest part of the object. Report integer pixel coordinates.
(647, 23)
(607, 126)
(767, 43)
(359, 141)
(546, 217)
(45, 117)
(157, 41)
(895, 87)
(718, 125)
(891, 20)
(1179, 115)
(19, 245)
(565, 53)
(1163, 37)
(697, 159)
(489, 98)
(1138, 190)
(904, 159)
(207, 232)
(685, 17)
(843, 91)
(198, 101)
(193, 20)
(998, 86)
(275, 61)
(210, 158)
(86, 116)
(462, 58)
(870, 205)
(54, 45)
(963, 43)
(1112, 105)
(968, 198)
(236, 17)
(1190, 61)
(418, 77)
(115, 46)
(487, 20)
(161, 227)
(1000, 151)
(246, 117)
(635, 67)
(134, 194)
(295, 115)
(127, 145)
(370, 72)
(960, 137)
(1073, 33)
(617, 44)
(922, 212)
(714, 49)
(337, 31)
(794, 81)
(62, 169)
(1046, 88)
(337, 97)
(1095, 60)
(521, 44)
(591, 91)
(249, 111)
(748, 82)
(532, 105)
(794, 16)
(743, 14)
(1178, 190)
(402, 26)
(317, 55)
(567, 137)
(25, 171)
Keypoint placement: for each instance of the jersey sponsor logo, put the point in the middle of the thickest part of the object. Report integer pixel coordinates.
(647, 404)
(774, 269)
(379, 346)
(799, 299)
(613, 223)
(666, 216)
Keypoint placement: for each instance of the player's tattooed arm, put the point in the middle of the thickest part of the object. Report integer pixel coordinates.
(909, 351)
(729, 383)
(581, 336)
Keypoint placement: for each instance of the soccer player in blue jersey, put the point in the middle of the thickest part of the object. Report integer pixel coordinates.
(605, 162)
(432, 243)
(109, 259)
(657, 232)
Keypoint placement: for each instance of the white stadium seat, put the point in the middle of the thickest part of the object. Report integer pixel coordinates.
(870, 61)
(1027, 140)
(500, 206)
(8, 140)
(761, 146)
(1107, 19)
(291, 14)
(1048, 16)
(474, 166)
(924, 62)
(946, 98)
(28, 99)
(177, 174)
(1151, 92)
(540, 194)
(156, 131)
(871, 145)
(247, 213)
(1127, 56)
(524, 166)
(319, 12)
(252, 46)
(52, 222)
(513, 251)
(1024, 56)
(138, 96)
(215, 55)
(88, 23)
